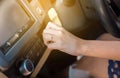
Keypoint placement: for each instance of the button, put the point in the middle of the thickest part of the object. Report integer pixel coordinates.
(16, 35)
(39, 10)
(33, 48)
(29, 54)
(13, 39)
(20, 31)
(38, 54)
(26, 67)
(8, 43)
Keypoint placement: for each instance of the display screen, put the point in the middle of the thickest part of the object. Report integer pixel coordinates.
(12, 19)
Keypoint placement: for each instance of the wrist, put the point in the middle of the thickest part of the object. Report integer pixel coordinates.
(81, 47)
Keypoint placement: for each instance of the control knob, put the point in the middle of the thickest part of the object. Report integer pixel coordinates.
(26, 67)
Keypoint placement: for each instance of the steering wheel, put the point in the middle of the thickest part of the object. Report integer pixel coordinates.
(109, 12)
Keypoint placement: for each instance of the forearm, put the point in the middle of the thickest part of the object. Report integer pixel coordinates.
(56, 37)
(102, 49)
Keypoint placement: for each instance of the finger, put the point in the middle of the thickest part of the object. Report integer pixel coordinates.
(46, 38)
(51, 25)
(53, 45)
(52, 32)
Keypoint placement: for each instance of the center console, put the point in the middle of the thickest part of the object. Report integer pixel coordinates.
(20, 22)
(21, 43)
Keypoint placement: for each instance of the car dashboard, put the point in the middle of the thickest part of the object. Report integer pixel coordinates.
(21, 40)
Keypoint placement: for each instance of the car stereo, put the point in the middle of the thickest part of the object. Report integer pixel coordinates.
(20, 21)
(13, 23)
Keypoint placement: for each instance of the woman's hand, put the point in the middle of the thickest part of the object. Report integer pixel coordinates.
(56, 37)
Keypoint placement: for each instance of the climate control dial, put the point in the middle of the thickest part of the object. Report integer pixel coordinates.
(26, 67)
